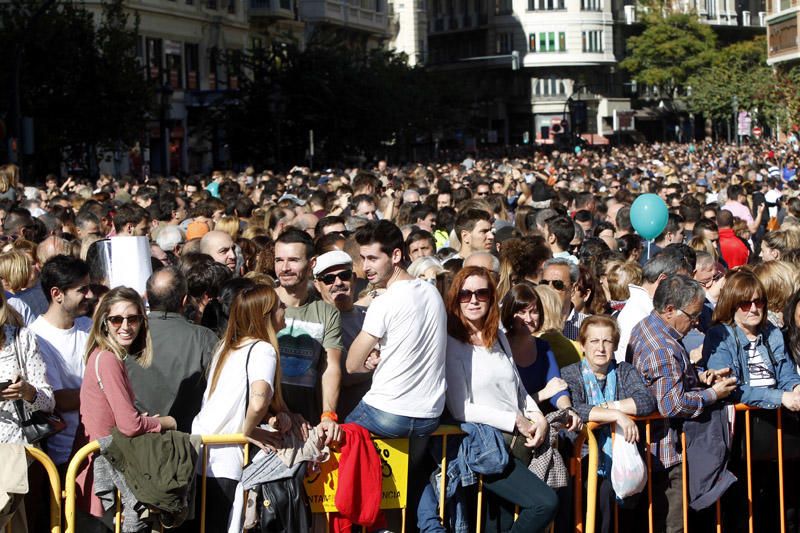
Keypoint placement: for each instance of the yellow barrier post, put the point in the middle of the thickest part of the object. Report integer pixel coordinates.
(55, 486)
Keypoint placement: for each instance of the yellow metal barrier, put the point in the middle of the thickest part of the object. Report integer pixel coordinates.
(443, 431)
(54, 487)
(591, 492)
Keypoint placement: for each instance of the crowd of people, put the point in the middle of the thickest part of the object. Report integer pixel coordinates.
(511, 296)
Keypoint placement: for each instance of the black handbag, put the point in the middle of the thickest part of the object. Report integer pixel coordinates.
(283, 505)
(39, 425)
(764, 425)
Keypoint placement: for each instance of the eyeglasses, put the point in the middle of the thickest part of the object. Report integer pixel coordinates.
(758, 302)
(117, 320)
(465, 295)
(330, 279)
(557, 284)
(692, 317)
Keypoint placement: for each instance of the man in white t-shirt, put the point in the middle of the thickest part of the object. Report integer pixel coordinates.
(408, 323)
(62, 332)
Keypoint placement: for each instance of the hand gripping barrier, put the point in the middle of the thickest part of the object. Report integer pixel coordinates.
(591, 492)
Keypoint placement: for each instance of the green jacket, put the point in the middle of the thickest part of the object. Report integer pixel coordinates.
(158, 467)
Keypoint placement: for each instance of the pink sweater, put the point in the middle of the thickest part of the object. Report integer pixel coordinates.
(103, 409)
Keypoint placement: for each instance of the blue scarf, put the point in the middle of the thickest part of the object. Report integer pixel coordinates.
(594, 396)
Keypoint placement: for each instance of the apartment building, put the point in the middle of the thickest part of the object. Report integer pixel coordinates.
(783, 47)
(569, 54)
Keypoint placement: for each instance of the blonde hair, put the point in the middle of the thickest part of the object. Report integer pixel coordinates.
(551, 319)
(9, 177)
(779, 283)
(228, 224)
(620, 274)
(15, 270)
(701, 244)
(99, 337)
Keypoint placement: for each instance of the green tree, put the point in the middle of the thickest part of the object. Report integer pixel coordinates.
(79, 80)
(669, 51)
(738, 70)
(357, 102)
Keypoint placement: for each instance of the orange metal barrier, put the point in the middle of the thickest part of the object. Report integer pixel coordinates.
(54, 485)
(591, 493)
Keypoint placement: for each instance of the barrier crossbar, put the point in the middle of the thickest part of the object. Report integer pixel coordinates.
(443, 431)
(591, 489)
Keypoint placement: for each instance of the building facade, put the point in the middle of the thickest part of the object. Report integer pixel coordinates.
(569, 52)
(783, 47)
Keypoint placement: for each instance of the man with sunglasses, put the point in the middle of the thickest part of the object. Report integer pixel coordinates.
(562, 275)
(335, 282)
(62, 332)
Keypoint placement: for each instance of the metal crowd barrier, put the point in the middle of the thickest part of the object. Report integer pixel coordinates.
(591, 491)
(54, 486)
(443, 431)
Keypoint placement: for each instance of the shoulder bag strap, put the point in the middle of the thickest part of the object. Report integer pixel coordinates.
(18, 349)
(247, 379)
(97, 370)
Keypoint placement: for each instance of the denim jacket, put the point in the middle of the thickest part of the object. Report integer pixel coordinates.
(482, 451)
(724, 348)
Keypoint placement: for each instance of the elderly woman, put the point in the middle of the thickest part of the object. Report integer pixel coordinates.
(605, 391)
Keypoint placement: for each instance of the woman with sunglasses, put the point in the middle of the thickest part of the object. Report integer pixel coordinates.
(484, 387)
(745, 344)
(119, 331)
(743, 340)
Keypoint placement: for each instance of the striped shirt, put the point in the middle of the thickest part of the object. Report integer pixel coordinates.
(663, 361)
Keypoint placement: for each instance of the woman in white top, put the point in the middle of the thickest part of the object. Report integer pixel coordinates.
(247, 360)
(483, 386)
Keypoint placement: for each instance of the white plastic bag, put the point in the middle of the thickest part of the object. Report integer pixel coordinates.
(628, 472)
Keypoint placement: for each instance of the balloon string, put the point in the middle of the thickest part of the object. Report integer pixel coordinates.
(648, 249)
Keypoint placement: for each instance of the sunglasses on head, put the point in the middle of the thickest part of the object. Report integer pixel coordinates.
(759, 303)
(330, 279)
(117, 320)
(557, 284)
(465, 295)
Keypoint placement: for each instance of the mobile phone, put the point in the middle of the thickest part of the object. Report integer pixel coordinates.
(5, 384)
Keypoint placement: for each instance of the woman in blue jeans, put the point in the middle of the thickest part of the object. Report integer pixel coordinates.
(484, 387)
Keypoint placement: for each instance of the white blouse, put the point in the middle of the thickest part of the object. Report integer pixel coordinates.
(34, 372)
(484, 386)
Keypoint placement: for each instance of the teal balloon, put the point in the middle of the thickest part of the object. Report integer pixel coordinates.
(649, 216)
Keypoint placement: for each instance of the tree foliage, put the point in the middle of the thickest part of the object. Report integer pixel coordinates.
(669, 51)
(357, 102)
(738, 70)
(79, 78)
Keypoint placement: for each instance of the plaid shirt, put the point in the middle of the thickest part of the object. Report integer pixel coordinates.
(663, 361)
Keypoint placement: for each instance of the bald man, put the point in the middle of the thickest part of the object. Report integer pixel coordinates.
(51, 247)
(219, 245)
(485, 260)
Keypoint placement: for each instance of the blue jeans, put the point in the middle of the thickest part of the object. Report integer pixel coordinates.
(389, 425)
(417, 430)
